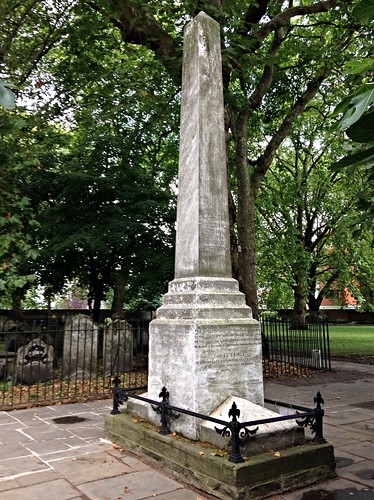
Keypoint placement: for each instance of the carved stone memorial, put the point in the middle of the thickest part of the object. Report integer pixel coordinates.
(34, 362)
(80, 347)
(118, 347)
(204, 342)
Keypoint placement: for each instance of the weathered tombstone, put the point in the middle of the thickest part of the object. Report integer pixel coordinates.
(34, 362)
(204, 343)
(80, 347)
(118, 347)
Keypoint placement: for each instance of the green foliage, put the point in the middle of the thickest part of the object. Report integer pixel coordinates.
(303, 243)
(18, 161)
(104, 79)
(7, 98)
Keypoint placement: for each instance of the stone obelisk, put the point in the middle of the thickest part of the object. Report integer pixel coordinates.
(204, 344)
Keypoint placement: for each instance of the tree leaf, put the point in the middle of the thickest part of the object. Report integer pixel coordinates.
(364, 10)
(363, 130)
(365, 158)
(359, 105)
(7, 98)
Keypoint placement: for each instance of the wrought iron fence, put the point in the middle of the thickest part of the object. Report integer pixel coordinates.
(69, 360)
(72, 358)
(290, 347)
(238, 432)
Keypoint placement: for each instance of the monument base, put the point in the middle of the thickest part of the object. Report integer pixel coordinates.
(202, 466)
(204, 345)
(285, 433)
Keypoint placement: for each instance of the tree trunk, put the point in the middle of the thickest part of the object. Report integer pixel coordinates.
(299, 309)
(17, 311)
(99, 296)
(246, 219)
(118, 297)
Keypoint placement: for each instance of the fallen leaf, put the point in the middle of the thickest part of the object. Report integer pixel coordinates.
(218, 453)
(115, 446)
(277, 454)
(174, 434)
(201, 453)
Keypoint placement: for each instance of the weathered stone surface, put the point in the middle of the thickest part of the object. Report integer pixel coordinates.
(202, 240)
(203, 347)
(80, 347)
(34, 362)
(118, 347)
(261, 475)
(204, 343)
(273, 436)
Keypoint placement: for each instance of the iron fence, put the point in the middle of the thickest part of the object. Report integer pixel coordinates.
(238, 432)
(290, 347)
(69, 359)
(72, 358)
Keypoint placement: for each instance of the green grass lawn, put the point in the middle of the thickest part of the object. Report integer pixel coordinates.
(350, 340)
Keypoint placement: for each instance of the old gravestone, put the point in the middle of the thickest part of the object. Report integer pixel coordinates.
(34, 362)
(204, 343)
(80, 347)
(118, 347)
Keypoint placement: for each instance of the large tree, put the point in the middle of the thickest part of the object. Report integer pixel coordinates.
(305, 208)
(276, 57)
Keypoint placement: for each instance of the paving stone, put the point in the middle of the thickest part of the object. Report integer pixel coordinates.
(91, 467)
(14, 466)
(361, 472)
(6, 418)
(9, 484)
(181, 494)
(134, 463)
(74, 452)
(363, 449)
(13, 450)
(339, 436)
(44, 476)
(10, 435)
(58, 490)
(74, 441)
(344, 459)
(46, 447)
(143, 484)
(47, 433)
(347, 415)
(338, 489)
(89, 432)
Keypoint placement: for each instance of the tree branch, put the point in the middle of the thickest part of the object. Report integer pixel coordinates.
(139, 27)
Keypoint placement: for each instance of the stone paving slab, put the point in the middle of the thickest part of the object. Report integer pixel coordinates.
(23, 474)
(14, 466)
(91, 467)
(364, 449)
(361, 472)
(138, 485)
(59, 489)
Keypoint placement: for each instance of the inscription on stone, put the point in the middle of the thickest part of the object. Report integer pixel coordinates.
(227, 352)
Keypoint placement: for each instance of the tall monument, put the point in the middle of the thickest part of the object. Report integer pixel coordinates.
(204, 344)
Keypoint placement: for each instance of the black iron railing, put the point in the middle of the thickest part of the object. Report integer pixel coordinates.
(293, 347)
(238, 432)
(69, 360)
